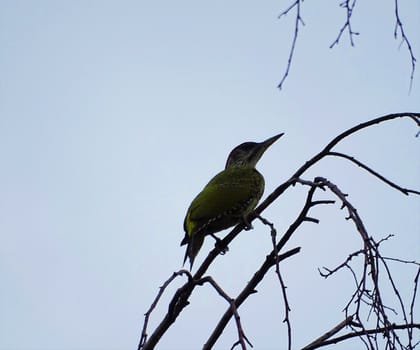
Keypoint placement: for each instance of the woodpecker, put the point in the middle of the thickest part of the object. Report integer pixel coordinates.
(228, 198)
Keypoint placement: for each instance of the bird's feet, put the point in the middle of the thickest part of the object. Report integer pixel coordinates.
(219, 245)
(247, 225)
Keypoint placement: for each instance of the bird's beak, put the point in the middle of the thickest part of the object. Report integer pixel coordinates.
(262, 146)
(267, 143)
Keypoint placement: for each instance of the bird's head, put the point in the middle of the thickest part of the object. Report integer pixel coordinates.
(247, 154)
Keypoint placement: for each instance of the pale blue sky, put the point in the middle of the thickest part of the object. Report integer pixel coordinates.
(114, 114)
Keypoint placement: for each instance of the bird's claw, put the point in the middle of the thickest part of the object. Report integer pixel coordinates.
(220, 246)
(247, 225)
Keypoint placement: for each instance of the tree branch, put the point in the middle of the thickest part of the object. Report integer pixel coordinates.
(155, 302)
(180, 298)
(261, 272)
(381, 330)
(329, 334)
(241, 334)
(406, 191)
(246, 292)
(298, 20)
(281, 281)
(371, 296)
(349, 7)
(404, 40)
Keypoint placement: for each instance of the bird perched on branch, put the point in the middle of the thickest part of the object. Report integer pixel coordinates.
(228, 198)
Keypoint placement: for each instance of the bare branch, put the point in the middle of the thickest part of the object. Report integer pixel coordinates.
(281, 281)
(329, 272)
(382, 330)
(272, 259)
(283, 187)
(402, 260)
(348, 6)
(406, 191)
(371, 296)
(398, 295)
(330, 333)
(180, 299)
(298, 21)
(241, 334)
(245, 293)
(155, 302)
(404, 40)
(286, 307)
(413, 299)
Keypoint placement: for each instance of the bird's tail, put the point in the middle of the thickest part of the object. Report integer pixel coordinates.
(193, 248)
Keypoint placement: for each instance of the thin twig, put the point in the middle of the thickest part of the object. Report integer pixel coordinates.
(349, 7)
(413, 299)
(413, 262)
(298, 21)
(241, 334)
(406, 191)
(404, 40)
(244, 294)
(155, 302)
(281, 281)
(370, 296)
(398, 295)
(330, 333)
(381, 330)
(286, 307)
(330, 272)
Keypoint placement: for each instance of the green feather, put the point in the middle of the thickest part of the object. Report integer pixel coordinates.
(228, 198)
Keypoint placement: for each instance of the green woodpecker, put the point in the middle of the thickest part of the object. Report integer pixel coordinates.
(228, 198)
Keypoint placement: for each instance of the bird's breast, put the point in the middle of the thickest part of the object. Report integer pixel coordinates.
(230, 196)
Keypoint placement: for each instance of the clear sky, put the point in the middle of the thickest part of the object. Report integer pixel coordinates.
(114, 114)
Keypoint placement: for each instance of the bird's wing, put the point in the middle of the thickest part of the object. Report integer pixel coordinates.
(223, 195)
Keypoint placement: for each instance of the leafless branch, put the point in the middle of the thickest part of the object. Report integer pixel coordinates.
(281, 281)
(181, 297)
(348, 5)
(245, 293)
(413, 262)
(381, 330)
(155, 302)
(241, 334)
(298, 22)
(404, 40)
(328, 272)
(286, 307)
(413, 299)
(271, 260)
(370, 296)
(329, 334)
(406, 191)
